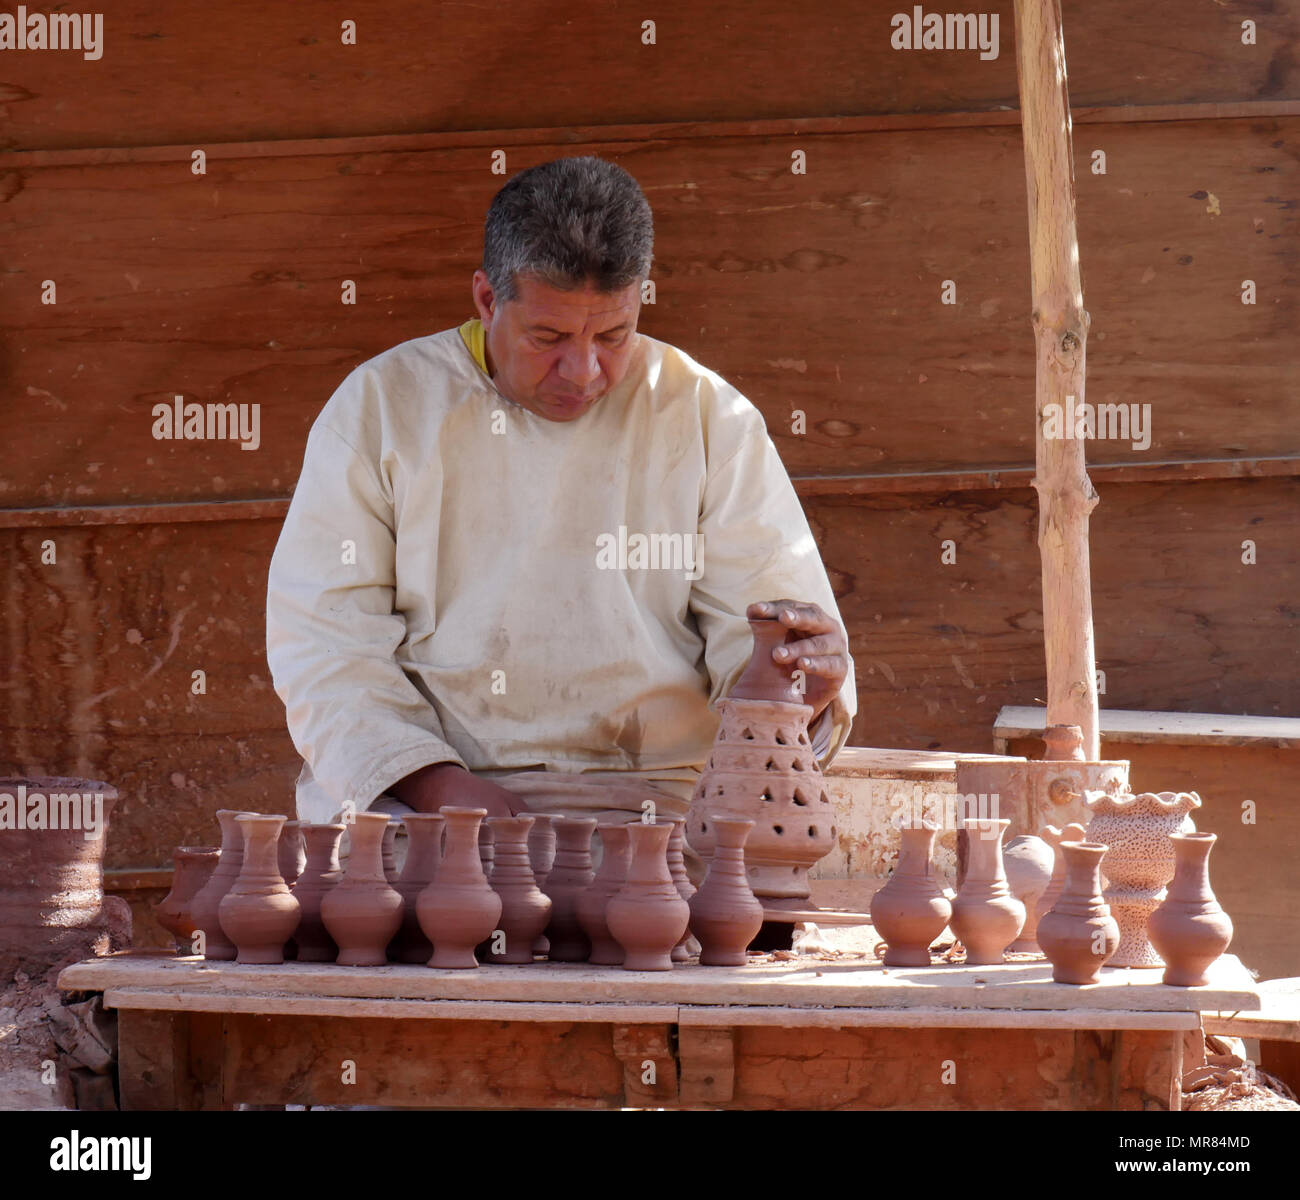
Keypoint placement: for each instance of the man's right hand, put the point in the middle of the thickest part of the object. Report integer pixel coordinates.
(429, 788)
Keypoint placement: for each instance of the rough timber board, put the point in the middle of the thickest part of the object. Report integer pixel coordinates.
(799, 983)
(1137, 726)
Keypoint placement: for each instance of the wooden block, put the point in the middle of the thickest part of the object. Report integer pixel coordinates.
(649, 1064)
(708, 1063)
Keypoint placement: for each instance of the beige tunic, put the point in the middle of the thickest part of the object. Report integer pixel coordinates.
(460, 580)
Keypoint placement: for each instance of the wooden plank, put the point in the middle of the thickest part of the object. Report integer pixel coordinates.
(1136, 727)
(800, 983)
(150, 1057)
(284, 72)
(1276, 1020)
(708, 1064)
(923, 1017)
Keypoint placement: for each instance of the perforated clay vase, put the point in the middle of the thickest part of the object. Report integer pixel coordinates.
(423, 853)
(204, 906)
(985, 915)
(725, 915)
(1140, 861)
(259, 913)
(911, 910)
(192, 868)
(322, 872)
(362, 911)
(647, 916)
(1078, 934)
(459, 909)
(616, 853)
(570, 875)
(525, 910)
(1189, 930)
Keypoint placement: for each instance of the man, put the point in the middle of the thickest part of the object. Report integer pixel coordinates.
(518, 563)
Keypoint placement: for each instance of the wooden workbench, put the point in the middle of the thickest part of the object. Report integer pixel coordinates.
(805, 1033)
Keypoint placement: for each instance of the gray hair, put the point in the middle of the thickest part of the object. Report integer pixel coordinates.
(566, 222)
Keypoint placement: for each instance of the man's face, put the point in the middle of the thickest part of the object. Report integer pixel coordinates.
(556, 353)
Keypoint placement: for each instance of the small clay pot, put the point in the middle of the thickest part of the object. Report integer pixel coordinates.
(362, 911)
(1028, 861)
(688, 947)
(524, 909)
(1054, 837)
(763, 678)
(207, 900)
(911, 910)
(423, 854)
(388, 850)
(1063, 743)
(259, 913)
(1079, 935)
(321, 873)
(193, 866)
(725, 916)
(1189, 930)
(616, 854)
(570, 876)
(985, 915)
(541, 856)
(647, 916)
(459, 909)
(291, 856)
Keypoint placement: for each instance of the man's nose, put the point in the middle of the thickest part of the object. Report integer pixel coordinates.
(580, 365)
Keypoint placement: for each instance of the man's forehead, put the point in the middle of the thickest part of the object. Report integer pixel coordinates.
(543, 305)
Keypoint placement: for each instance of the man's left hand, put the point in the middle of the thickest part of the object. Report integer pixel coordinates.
(822, 656)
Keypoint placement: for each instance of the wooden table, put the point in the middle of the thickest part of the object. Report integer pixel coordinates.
(805, 1033)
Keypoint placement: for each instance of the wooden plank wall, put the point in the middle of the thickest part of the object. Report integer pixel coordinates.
(817, 292)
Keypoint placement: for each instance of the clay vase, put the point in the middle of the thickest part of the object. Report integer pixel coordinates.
(541, 854)
(570, 875)
(362, 911)
(1029, 862)
(524, 909)
(319, 876)
(616, 853)
(725, 916)
(423, 853)
(291, 856)
(1189, 930)
(203, 908)
(647, 915)
(911, 910)
(1079, 935)
(985, 915)
(1140, 861)
(1063, 743)
(259, 913)
(688, 946)
(193, 866)
(388, 851)
(1054, 837)
(763, 678)
(486, 849)
(459, 909)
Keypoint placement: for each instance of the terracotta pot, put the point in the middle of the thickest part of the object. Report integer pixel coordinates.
(291, 856)
(423, 854)
(985, 915)
(724, 914)
(911, 910)
(524, 909)
(1079, 935)
(1028, 861)
(1140, 861)
(688, 946)
(388, 850)
(322, 872)
(207, 900)
(192, 867)
(259, 913)
(570, 875)
(647, 916)
(541, 854)
(1053, 837)
(459, 908)
(1063, 743)
(362, 911)
(1189, 930)
(763, 678)
(486, 849)
(616, 853)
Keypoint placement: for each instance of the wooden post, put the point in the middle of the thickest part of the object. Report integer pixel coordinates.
(1065, 493)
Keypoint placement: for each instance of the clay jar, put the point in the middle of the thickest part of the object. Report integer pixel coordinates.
(647, 916)
(911, 910)
(1189, 930)
(1054, 837)
(423, 853)
(459, 908)
(616, 853)
(362, 911)
(291, 855)
(985, 915)
(524, 910)
(193, 866)
(725, 916)
(203, 908)
(1079, 935)
(1029, 863)
(259, 913)
(570, 876)
(541, 854)
(321, 873)
(688, 946)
